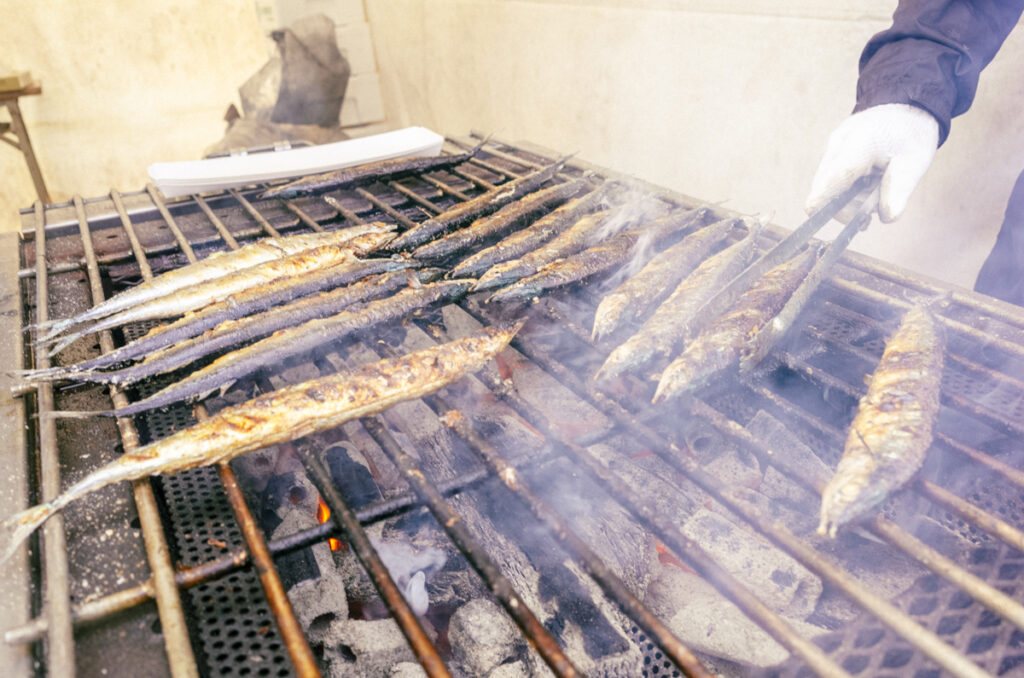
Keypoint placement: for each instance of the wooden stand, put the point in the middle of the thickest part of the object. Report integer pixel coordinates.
(15, 134)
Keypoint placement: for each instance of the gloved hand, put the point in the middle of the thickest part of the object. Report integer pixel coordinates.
(897, 139)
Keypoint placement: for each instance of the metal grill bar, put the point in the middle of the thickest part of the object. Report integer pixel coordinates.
(60, 651)
(345, 520)
(161, 206)
(172, 619)
(98, 609)
(253, 212)
(280, 606)
(680, 655)
(217, 223)
(386, 208)
(430, 207)
(303, 217)
(453, 526)
(668, 531)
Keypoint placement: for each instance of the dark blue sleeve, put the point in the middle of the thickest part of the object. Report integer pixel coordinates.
(932, 55)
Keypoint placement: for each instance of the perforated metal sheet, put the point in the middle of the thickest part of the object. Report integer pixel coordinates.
(233, 630)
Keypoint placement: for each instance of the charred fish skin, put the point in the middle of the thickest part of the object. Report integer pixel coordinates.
(531, 237)
(479, 206)
(719, 346)
(286, 414)
(672, 323)
(212, 291)
(383, 169)
(601, 257)
(212, 267)
(572, 240)
(293, 341)
(241, 330)
(634, 297)
(239, 305)
(892, 429)
(499, 223)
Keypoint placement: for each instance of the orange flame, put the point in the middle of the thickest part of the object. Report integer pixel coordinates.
(323, 514)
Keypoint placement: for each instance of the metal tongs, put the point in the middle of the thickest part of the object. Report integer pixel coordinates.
(770, 334)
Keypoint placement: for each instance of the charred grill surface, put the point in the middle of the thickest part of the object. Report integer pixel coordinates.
(762, 443)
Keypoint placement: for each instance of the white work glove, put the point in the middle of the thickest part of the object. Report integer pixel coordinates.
(897, 139)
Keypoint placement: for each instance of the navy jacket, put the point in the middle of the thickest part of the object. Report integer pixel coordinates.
(933, 53)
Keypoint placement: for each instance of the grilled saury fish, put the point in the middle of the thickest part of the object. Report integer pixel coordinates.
(481, 205)
(892, 429)
(382, 169)
(211, 291)
(719, 346)
(607, 254)
(293, 341)
(214, 266)
(240, 305)
(286, 414)
(634, 297)
(674, 322)
(531, 237)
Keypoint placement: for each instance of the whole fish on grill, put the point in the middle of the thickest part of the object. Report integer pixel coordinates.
(499, 223)
(638, 294)
(214, 266)
(892, 430)
(286, 414)
(719, 346)
(607, 254)
(240, 305)
(241, 330)
(212, 291)
(479, 206)
(673, 323)
(392, 168)
(533, 236)
(293, 341)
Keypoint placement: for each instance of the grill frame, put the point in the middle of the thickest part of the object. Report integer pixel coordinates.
(131, 208)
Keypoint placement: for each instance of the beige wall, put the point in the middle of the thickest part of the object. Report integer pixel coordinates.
(722, 99)
(125, 84)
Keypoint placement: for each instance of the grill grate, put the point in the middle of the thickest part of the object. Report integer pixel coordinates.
(810, 384)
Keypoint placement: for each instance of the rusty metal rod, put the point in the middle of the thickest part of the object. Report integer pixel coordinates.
(186, 577)
(126, 223)
(303, 217)
(415, 197)
(345, 519)
(180, 657)
(225, 234)
(254, 213)
(977, 517)
(350, 216)
(457, 531)
(445, 188)
(291, 631)
(670, 534)
(673, 648)
(386, 208)
(60, 645)
(158, 200)
(473, 179)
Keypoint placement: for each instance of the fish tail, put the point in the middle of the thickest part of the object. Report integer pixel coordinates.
(19, 527)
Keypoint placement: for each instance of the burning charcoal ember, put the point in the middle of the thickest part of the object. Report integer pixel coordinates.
(483, 636)
(706, 621)
(781, 582)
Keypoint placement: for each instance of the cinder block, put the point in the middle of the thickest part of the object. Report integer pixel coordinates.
(356, 45)
(341, 12)
(363, 102)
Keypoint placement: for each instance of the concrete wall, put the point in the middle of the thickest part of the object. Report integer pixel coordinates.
(727, 100)
(125, 84)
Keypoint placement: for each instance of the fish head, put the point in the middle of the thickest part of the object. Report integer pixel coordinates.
(853, 491)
